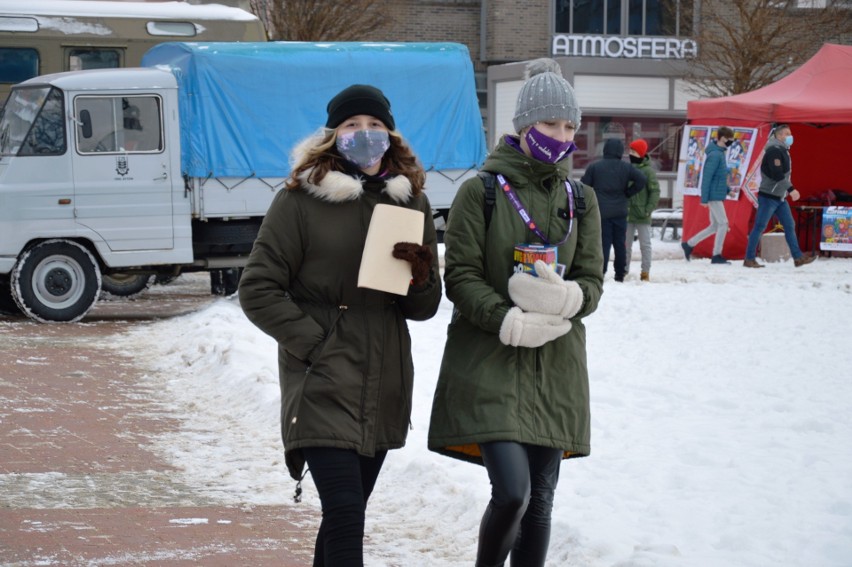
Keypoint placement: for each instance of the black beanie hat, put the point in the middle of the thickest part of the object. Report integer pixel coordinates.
(359, 99)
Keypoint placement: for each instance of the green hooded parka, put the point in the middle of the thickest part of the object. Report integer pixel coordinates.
(345, 365)
(488, 391)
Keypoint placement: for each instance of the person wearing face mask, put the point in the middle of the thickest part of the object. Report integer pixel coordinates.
(345, 362)
(615, 181)
(775, 186)
(714, 191)
(640, 207)
(513, 391)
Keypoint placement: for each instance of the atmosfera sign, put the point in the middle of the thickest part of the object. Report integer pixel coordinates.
(633, 47)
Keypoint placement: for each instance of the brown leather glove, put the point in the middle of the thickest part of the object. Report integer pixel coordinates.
(420, 258)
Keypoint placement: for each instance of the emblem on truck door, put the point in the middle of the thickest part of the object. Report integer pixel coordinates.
(121, 166)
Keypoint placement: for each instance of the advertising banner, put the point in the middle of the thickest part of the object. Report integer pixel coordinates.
(836, 229)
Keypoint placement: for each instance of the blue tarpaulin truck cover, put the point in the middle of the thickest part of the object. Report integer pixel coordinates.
(244, 106)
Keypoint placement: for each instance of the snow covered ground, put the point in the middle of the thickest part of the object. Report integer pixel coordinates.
(721, 425)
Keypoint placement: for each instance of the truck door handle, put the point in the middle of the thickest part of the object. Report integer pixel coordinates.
(163, 177)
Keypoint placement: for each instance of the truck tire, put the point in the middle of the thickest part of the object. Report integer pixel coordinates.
(225, 281)
(125, 285)
(165, 279)
(56, 281)
(7, 303)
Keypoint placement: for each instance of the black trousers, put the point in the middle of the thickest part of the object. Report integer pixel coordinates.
(344, 481)
(517, 520)
(614, 233)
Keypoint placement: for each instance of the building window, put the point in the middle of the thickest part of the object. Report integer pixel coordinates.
(80, 59)
(178, 29)
(17, 64)
(624, 17)
(660, 133)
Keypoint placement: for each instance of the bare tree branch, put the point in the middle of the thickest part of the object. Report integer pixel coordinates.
(326, 20)
(748, 44)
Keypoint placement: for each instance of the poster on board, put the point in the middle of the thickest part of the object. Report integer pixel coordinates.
(836, 229)
(738, 156)
(692, 146)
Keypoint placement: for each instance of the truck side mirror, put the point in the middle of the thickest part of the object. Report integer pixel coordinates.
(86, 123)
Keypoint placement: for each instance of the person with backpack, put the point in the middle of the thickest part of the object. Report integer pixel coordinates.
(513, 388)
(614, 181)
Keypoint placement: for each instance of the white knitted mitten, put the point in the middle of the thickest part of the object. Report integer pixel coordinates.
(531, 330)
(548, 293)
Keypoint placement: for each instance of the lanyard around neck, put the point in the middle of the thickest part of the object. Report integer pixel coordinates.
(525, 216)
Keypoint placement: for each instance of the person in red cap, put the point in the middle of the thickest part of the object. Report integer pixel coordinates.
(640, 207)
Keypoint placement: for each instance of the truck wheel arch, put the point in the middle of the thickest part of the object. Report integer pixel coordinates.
(56, 280)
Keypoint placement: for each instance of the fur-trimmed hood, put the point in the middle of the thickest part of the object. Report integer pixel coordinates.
(337, 187)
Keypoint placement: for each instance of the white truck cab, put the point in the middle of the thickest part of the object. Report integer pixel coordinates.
(171, 167)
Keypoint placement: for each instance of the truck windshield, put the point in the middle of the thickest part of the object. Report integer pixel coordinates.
(32, 123)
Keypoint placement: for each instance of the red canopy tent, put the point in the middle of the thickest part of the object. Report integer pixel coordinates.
(816, 101)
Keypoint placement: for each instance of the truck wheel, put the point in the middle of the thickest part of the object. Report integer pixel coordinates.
(7, 303)
(57, 280)
(165, 279)
(225, 281)
(125, 285)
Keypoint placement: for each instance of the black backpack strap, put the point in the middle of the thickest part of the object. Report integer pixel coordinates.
(488, 179)
(579, 197)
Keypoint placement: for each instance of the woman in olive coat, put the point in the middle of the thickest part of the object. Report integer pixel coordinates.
(345, 364)
(513, 391)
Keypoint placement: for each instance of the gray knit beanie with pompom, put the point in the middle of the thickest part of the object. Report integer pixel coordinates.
(545, 95)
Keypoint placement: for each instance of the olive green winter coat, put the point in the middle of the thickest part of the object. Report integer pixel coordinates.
(488, 391)
(642, 204)
(344, 355)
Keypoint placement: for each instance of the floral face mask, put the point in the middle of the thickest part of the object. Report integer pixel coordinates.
(364, 148)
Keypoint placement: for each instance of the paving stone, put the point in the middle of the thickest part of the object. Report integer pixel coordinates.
(80, 481)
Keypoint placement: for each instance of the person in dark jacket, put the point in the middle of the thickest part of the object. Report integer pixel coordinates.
(344, 352)
(614, 181)
(714, 191)
(513, 389)
(640, 207)
(775, 186)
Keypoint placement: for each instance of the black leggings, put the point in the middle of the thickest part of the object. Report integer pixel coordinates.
(344, 481)
(517, 520)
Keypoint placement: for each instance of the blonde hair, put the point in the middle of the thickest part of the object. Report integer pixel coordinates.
(322, 157)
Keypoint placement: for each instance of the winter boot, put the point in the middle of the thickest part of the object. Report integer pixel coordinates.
(804, 259)
(752, 263)
(687, 250)
(645, 277)
(719, 259)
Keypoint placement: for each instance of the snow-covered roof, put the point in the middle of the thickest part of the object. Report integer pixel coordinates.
(109, 9)
(118, 79)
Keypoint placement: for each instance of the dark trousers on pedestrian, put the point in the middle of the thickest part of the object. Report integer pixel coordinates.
(517, 520)
(344, 481)
(614, 231)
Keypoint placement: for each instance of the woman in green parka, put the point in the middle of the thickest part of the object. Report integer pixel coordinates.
(344, 352)
(513, 390)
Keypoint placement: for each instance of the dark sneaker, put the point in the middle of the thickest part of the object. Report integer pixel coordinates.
(752, 263)
(804, 259)
(719, 259)
(687, 250)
